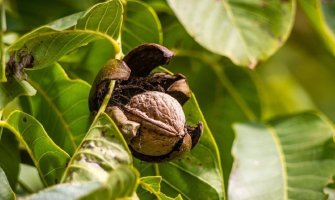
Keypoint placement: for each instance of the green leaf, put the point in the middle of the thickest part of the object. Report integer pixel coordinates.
(102, 151)
(121, 183)
(49, 43)
(10, 157)
(233, 93)
(12, 89)
(288, 158)
(23, 16)
(246, 32)
(141, 25)
(321, 14)
(86, 62)
(235, 99)
(49, 159)
(29, 179)
(61, 105)
(201, 166)
(153, 185)
(5, 190)
(283, 93)
(330, 191)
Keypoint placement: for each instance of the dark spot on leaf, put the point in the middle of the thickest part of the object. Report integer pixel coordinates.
(18, 61)
(24, 119)
(103, 133)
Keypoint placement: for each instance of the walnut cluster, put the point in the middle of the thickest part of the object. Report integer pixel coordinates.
(147, 107)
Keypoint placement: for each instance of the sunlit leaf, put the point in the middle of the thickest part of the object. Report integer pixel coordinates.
(49, 159)
(141, 25)
(288, 158)
(152, 185)
(120, 183)
(246, 32)
(102, 151)
(5, 191)
(61, 105)
(13, 88)
(29, 178)
(49, 43)
(322, 15)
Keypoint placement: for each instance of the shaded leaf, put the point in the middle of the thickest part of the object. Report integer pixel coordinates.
(233, 93)
(104, 161)
(246, 32)
(86, 62)
(61, 105)
(121, 183)
(12, 89)
(2, 46)
(23, 16)
(5, 191)
(288, 158)
(10, 157)
(153, 185)
(321, 14)
(49, 159)
(283, 93)
(29, 178)
(201, 166)
(102, 151)
(141, 25)
(49, 43)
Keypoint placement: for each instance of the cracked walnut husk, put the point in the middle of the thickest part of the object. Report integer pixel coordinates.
(147, 107)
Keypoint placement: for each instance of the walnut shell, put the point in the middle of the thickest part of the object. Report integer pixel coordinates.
(162, 122)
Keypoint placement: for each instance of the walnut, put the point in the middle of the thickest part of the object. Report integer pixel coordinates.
(147, 108)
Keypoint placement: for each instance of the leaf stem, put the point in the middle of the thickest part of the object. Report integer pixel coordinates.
(156, 168)
(217, 68)
(106, 100)
(119, 55)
